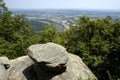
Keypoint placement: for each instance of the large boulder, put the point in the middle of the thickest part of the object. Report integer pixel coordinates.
(53, 62)
(3, 69)
(3, 73)
(47, 62)
(51, 57)
(4, 60)
(17, 67)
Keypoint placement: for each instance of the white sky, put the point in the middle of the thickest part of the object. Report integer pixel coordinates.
(66, 4)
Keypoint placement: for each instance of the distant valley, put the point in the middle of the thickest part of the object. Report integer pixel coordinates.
(63, 18)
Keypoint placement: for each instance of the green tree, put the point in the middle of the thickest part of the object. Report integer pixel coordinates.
(97, 43)
(51, 34)
(15, 34)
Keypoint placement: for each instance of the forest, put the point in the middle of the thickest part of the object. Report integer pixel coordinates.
(97, 41)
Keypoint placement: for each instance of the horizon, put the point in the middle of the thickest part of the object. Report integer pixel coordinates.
(73, 4)
(106, 10)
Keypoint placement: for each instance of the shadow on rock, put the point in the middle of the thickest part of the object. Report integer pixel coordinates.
(39, 71)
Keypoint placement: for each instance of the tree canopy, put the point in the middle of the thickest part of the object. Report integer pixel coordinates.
(15, 34)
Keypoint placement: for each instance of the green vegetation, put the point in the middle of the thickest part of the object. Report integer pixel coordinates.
(37, 26)
(97, 42)
(15, 34)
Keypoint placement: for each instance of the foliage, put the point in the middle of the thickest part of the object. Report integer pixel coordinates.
(15, 34)
(97, 42)
(37, 25)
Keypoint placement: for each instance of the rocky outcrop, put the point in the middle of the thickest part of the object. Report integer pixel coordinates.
(47, 62)
(3, 68)
(50, 57)
(17, 68)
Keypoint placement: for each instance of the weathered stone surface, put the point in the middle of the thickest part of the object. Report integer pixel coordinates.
(49, 56)
(77, 69)
(47, 62)
(54, 63)
(4, 60)
(3, 71)
(17, 66)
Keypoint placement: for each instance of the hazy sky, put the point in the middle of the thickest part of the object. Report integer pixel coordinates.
(70, 4)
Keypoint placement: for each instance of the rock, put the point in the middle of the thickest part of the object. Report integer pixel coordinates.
(3, 71)
(4, 60)
(16, 71)
(53, 62)
(47, 62)
(49, 56)
(77, 69)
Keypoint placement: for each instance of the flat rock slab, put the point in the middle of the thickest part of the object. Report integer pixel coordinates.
(50, 56)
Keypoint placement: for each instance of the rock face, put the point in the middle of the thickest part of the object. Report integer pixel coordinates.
(47, 62)
(49, 56)
(3, 71)
(17, 67)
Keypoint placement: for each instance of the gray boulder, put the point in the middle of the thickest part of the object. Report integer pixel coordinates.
(3, 70)
(49, 56)
(47, 62)
(3, 73)
(17, 68)
(4, 60)
(53, 62)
